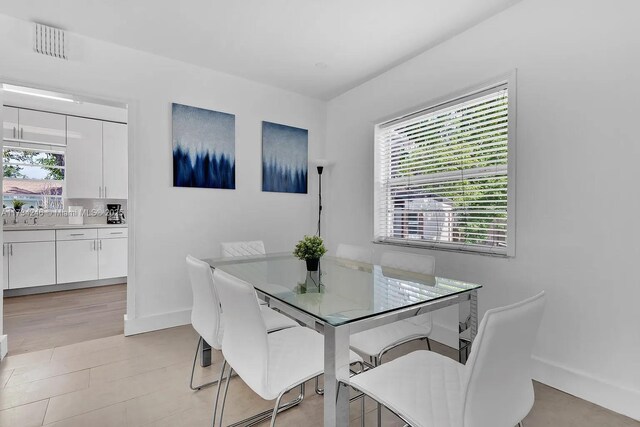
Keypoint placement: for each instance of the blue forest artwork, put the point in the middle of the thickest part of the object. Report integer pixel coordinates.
(204, 148)
(284, 158)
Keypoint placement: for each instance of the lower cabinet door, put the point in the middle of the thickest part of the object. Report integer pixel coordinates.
(77, 260)
(5, 265)
(112, 258)
(31, 264)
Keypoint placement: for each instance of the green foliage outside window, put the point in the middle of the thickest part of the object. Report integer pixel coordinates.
(447, 142)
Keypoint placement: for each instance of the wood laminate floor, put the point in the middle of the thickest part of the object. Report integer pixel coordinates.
(143, 381)
(44, 321)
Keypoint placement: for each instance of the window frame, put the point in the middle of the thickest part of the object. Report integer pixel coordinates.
(507, 80)
(44, 148)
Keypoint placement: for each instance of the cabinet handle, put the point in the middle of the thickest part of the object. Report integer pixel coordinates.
(105, 191)
(93, 245)
(11, 249)
(3, 249)
(14, 132)
(100, 244)
(21, 133)
(100, 191)
(76, 234)
(116, 232)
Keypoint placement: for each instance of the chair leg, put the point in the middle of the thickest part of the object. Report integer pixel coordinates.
(376, 362)
(224, 395)
(319, 390)
(275, 409)
(428, 344)
(262, 416)
(215, 406)
(362, 412)
(193, 369)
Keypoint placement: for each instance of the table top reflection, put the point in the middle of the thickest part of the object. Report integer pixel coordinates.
(342, 291)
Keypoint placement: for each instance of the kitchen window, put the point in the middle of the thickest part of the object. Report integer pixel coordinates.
(444, 175)
(33, 176)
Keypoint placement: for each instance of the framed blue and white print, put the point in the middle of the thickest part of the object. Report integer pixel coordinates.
(204, 148)
(284, 158)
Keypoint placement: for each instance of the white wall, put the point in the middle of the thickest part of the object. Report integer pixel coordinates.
(577, 181)
(171, 222)
(3, 337)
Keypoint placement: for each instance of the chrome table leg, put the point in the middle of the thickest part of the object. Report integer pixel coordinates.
(336, 368)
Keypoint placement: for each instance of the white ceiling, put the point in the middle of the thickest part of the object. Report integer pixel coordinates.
(319, 48)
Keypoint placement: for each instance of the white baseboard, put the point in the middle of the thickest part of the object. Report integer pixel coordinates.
(622, 400)
(141, 325)
(3, 346)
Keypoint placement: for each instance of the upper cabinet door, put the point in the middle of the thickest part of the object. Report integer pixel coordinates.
(83, 160)
(114, 160)
(44, 127)
(10, 126)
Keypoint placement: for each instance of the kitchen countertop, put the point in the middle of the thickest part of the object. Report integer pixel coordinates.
(23, 227)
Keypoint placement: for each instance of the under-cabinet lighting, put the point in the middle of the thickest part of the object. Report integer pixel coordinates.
(38, 93)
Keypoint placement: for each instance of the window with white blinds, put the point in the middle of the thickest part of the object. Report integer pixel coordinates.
(442, 175)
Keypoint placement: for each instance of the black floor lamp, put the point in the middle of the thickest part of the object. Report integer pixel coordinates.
(321, 164)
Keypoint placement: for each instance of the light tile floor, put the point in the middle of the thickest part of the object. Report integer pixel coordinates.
(143, 381)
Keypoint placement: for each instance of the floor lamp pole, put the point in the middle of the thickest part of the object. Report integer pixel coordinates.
(320, 168)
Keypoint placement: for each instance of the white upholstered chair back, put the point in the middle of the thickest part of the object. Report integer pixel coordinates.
(354, 253)
(244, 345)
(499, 383)
(231, 249)
(423, 264)
(205, 314)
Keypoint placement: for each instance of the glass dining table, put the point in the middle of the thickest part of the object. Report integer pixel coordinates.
(345, 297)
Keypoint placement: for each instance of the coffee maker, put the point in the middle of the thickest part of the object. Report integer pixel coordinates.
(115, 214)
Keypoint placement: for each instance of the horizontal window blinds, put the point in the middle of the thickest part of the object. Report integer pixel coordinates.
(442, 175)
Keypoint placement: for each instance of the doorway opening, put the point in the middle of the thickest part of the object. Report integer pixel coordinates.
(65, 209)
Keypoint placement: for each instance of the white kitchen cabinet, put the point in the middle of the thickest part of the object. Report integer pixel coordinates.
(31, 264)
(112, 258)
(10, 123)
(29, 258)
(83, 160)
(40, 126)
(114, 160)
(5, 265)
(91, 254)
(46, 257)
(96, 159)
(77, 260)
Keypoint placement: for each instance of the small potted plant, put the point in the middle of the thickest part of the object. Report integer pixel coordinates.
(310, 249)
(17, 205)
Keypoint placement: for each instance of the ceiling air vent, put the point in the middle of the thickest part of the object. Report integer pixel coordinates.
(49, 41)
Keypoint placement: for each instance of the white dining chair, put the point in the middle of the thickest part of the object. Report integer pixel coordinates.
(243, 248)
(374, 343)
(206, 318)
(354, 253)
(494, 388)
(270, 364)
